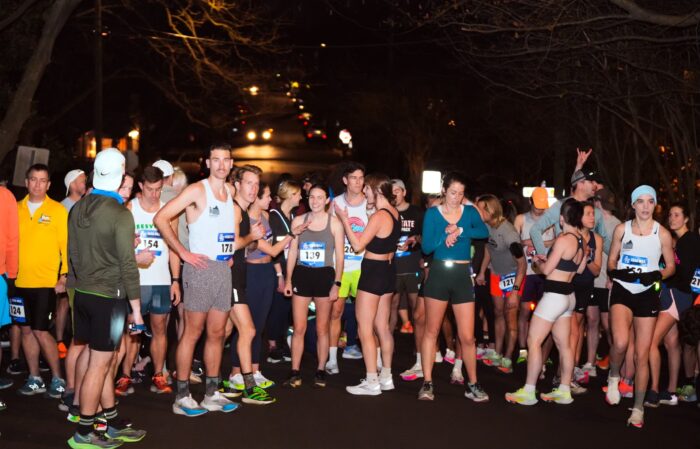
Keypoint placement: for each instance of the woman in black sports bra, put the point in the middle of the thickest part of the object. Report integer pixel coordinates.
(377, 282)
(553, 313)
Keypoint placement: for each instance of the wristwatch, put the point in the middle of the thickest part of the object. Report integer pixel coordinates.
(516, 288)
(337, 283)
(176, 279)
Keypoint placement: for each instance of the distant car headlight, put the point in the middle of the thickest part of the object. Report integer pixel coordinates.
(251, 135)
(267, 134)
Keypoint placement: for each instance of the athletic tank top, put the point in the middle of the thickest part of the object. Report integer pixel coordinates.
(641, 253)
(528, 221)
(212, 234)
(586, 278)
(316, 248)
(158, 272)
(358, 218)
(255, 253)
(568, 265)
(386, 245)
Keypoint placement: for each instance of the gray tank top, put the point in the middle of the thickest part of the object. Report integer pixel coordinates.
(316, 248)
(254, 252)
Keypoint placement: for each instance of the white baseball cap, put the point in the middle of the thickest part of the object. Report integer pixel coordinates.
(70, 177)
(109, 169)
(165, 166)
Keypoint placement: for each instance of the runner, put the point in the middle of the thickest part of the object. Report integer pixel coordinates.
(676, 297)
(506, 259)
(43, 266)
(534, 283)
(314, 269)
(354, 201)
(637, 247)
(100, 242)
(553, 313)
(447, 233)
(9, 261)
(126, 188)
(376, 285)
(158, 287)
(206, 277)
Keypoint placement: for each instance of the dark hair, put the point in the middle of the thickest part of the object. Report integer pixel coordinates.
(261, 189)
(684, 208)
(151, 174)
(572, 211)
(320, 186)
(240, 171)
(454, 176)
(38, 167)
(219, 146)
(351, 167)
(381, 183)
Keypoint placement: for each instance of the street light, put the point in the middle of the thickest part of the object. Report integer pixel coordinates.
(254, 90)
(432, 181)
(134, 134)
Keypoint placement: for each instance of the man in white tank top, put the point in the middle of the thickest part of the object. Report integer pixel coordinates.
(158, 288)
(206, 276)
(354, 200)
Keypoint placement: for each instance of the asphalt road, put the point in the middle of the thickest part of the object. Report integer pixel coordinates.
(331, 418)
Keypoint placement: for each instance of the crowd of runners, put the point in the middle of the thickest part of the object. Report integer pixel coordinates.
(89, 285)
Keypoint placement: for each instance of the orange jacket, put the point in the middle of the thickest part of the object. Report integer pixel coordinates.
(9, 234)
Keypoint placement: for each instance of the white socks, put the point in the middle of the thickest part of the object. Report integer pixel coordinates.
(333, 354)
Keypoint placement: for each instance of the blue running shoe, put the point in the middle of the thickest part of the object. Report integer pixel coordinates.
(188, 407)
(57, 388)
(34, 385)
(352, 352)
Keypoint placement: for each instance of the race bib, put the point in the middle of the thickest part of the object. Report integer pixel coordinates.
(150, 240)
(695, 282)
(312, 254)
(637, 263)
(507, 282)
(400, 253)
(17, 310)
(225, 241)
(350, 253)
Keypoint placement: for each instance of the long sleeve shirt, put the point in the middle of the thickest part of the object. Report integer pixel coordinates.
(434, 235)
(551, 217)
(9, 234)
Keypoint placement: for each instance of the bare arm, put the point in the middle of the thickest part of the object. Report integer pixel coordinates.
(615, 246)
(359, 245)
(595, 266)
(667, 251)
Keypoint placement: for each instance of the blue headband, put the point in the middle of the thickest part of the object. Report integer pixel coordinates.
(643, 190)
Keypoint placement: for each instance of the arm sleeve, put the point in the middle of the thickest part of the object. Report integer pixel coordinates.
(12, 243)
(63, 238)
(601, 231)
(546, 220)
(476, 228)
(124, 242)
(431, 234)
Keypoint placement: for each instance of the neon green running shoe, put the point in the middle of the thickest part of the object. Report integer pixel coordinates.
(257, 396)
(521, 397)
(522, 357)
(558, 396)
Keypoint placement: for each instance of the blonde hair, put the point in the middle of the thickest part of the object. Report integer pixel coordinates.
(493, 206)
(288, 188)
(179, 179)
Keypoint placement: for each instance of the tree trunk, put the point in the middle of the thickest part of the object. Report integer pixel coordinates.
(21, 104)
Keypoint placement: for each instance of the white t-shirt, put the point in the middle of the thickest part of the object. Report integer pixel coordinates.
(33, 207)
(158, 272)
(358, 221)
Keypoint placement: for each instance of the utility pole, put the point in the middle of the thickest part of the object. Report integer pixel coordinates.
(98, 75)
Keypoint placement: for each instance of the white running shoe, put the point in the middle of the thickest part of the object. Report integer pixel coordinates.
(188, 407)
(386, 383)
(438, 357)
(365, 389)
(332, 367)
(590, 369)
(218, 403)
(262, 381)
(612, 396)
(413, 373)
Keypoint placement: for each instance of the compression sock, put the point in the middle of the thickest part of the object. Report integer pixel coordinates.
(212, 385)
(249, 381)
(183, 389)
(86, 424)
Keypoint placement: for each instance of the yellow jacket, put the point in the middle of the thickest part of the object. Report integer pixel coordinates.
(43, 244)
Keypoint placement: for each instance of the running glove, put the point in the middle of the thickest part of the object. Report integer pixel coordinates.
(649, 278)
(624, 275)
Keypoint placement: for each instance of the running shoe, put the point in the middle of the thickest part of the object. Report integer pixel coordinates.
(426, 392)
(651, 399)
(319, 379)
(332, 367)
(475, 392)
(5, 383)
(407, 328)
(227, 391)
(687, 393)
(286, 355)
(506, 365)
(667, 398)
(449, 356)
(262, 381)
(16, 366)
(43, 366)
(235, 382)
(138, 376)
(636, 419)
(294, 380)
(66, 401)
(577, 389)
(522, 357)
(188, 407)
(386, 383)
(126, 434)
(160, 385)
(413, 373)
(3, 406)
(93, 440)
(456, 377)
(73, 414)
(275, 356)
(438, 357)
(352, 352)
(62, 350)
(257, 396)
(56, 388)
(480, 352)
(626, 389)
(612, 394)
(603, 362)
(590, 369)
(555, 381)
(123, 386)
(522, 397)
(218, 403)
(365, 388)
(557, 396)
(580, 376)
(33, 385)
(493, 359)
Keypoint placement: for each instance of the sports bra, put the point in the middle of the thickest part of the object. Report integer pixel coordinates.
(569, 265)
(386, 245)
